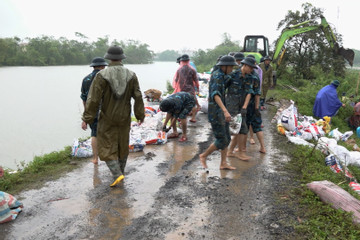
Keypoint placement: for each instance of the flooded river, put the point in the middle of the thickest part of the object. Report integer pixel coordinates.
(41, 107)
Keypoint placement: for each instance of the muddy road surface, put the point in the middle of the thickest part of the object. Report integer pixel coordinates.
(165, 195)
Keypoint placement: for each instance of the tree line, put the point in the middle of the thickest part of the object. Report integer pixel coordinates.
(49, 51)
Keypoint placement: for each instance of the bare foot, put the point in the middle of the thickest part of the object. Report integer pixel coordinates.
(94, 161)
(243, 156)
(203, 161)
(262, 150)
(236, 149)
(252, 141)
(230, 154)
(227, 167)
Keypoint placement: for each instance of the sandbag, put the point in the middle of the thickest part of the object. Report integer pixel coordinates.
(82, 149)
(289, 117)
(10, 207)
(235, 124)
(337, 197)
(153, 94)
(204, 105)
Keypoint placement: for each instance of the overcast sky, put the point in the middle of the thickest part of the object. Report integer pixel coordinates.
(167, 24)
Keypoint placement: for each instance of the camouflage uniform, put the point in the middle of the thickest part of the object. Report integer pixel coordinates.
(251, 118)
(85, 87)
(216, 116)
(267, 80)
(184, 103)
(238, 87)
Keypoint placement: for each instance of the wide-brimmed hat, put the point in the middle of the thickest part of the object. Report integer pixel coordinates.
(250, 61)
(166, 105)
(185, 57)
(335, 83)
(267, 58)
(227, 61)
(239, 56)
(98, 61)
(115, 53)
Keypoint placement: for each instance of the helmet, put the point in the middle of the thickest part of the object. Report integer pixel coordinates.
(267, 58)
(185, 57)
(249, 61)
(98, 61)
(239, 56)
(336, 83)
(115, 53)
(227, 61)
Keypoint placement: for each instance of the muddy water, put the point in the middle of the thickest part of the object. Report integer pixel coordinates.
(41, 107)
(165, 195)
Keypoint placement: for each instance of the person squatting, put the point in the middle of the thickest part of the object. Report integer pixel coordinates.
(234, 88)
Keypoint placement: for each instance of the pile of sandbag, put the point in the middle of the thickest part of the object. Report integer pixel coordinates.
(301, 129)
(153, 95)
(149, 132)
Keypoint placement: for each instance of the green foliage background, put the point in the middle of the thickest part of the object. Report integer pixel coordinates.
(48, 51)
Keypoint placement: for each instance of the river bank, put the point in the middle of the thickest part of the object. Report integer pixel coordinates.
(165, 195)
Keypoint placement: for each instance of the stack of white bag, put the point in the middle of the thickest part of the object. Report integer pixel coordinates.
(330, 146)
(203, 100)
(299, 132)
(149, 132)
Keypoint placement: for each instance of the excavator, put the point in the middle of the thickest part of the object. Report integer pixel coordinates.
(258, 45)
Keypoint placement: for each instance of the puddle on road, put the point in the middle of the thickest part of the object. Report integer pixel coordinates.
(84, 198)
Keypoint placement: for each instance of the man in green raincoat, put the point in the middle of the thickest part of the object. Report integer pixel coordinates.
(114, 87)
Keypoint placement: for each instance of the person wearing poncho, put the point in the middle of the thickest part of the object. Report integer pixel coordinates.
(114, 88)
(186, 80)
(327, 102)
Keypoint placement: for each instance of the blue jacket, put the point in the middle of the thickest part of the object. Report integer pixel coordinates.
(327, 102)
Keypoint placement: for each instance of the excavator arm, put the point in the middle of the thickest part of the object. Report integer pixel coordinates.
(289, 32)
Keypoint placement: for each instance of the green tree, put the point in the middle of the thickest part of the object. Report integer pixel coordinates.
(206, 59)
(136, 52)
(10, 50)
(48, 51)
(167, 55)
(310, 48)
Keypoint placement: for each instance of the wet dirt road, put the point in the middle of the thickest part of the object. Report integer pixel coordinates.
(165, 195)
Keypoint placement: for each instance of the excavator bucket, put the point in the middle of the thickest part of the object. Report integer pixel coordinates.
(348, 54)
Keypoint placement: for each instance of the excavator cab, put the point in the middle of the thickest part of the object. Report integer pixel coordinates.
(257, 45)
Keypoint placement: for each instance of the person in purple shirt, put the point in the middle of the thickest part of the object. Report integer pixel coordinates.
(327, 102)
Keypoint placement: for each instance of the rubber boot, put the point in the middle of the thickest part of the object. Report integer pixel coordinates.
(115, 169)
(122, 163)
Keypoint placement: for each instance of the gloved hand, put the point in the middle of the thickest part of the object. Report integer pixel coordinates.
(243, 112)
(257, 113)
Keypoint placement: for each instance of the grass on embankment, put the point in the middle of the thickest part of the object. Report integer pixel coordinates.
(315, 219)
(42, 169)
